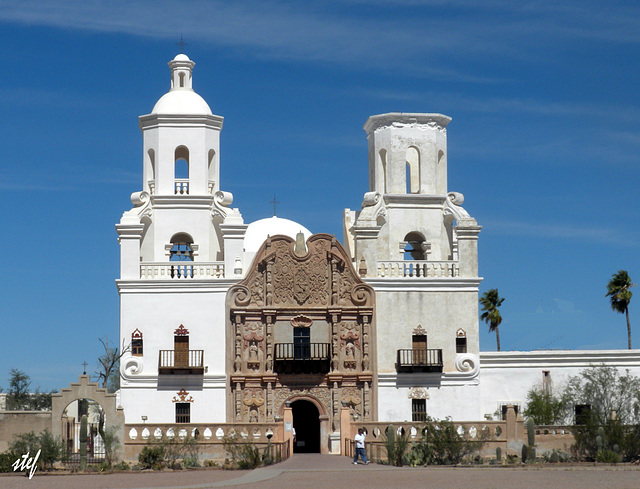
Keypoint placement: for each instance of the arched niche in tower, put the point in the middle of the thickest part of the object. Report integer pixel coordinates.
(151, 170)
(146, 240)
(181, 247)
(413, 170)
(181, 170)
(449, 221)
(382, 155)
(414, 248)
(211, 157)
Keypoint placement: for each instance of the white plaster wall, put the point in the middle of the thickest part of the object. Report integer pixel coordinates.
(198, 134)
(181, 219)
(140, 400)
(157, 310)
(460, 402)
(440, 312)
(506, 377)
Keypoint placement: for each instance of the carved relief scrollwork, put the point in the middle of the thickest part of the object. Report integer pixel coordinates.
(241, 296)
(349, 331)
(238, 402)
(367, 401)
(321, 394)
(352, 397)
(253, 401)
(237, 362)
(361, 295)
(365, 349)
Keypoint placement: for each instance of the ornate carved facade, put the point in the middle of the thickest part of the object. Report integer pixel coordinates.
(300, 325)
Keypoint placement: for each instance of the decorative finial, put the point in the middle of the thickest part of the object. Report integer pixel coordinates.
(84, 364)
(182, 44)
(274, 202)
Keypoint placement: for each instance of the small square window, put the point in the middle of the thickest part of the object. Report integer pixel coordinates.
(419, 410)
(183, 412)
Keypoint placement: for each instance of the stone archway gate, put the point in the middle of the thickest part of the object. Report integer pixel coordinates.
(84, 389)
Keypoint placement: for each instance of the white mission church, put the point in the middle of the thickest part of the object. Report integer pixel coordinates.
(231, 322)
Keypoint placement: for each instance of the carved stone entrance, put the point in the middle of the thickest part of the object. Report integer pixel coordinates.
(301, 326)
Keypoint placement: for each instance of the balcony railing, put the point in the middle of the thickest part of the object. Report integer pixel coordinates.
(295, 358)
(181, 362)
(417, 269)
(181, 270)
(181, 186)
(421, 360)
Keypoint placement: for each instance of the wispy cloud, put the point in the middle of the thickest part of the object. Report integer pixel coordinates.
(598, 235)
(361, 34)
(498, 105)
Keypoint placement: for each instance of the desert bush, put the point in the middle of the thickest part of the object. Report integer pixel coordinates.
(243, 454)
(151, 457)
(441, 444)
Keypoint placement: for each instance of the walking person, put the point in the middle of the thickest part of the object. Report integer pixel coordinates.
(359, 439)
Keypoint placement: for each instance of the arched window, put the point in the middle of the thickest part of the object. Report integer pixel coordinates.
(413, 171)
(414, 248)
(383, 164)
(181, 170)
(151, 175)
(212, 170)
(181, 248)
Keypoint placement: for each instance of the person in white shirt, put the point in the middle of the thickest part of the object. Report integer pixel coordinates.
(359, 439)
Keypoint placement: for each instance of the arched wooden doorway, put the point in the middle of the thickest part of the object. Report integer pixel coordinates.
(306, 421)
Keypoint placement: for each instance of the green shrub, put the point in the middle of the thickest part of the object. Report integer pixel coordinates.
(441, 444)
(51, 447)
(122, 466)
(244, 455)
(111, 444)
(630, 446)
(397, 447)
(607, 456)
(6, 461)
(151, 457)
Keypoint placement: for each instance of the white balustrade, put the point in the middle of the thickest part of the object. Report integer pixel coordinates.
(418, 269)
(181, 270)
(181, 186)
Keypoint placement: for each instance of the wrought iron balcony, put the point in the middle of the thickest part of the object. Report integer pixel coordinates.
(181, 362)
(421, 360)
(304, 358)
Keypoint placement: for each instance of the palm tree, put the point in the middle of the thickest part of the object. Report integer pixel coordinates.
(620, 295)
(490, 302)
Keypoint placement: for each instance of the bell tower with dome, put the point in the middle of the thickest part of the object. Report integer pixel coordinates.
(181, 248)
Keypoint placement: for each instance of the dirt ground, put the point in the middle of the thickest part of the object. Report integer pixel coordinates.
(334, 472)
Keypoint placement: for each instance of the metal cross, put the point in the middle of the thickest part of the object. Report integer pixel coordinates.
(182, 44)
(274, 202)
(84, 364)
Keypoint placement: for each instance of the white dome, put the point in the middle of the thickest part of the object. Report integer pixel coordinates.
(181, 102)
(258, 231)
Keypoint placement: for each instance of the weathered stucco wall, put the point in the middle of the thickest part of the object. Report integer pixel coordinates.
(13, 423)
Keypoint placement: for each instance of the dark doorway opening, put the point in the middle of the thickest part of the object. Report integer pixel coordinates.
(306, 421)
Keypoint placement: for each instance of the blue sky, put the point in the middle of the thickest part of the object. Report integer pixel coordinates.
(544, 144)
